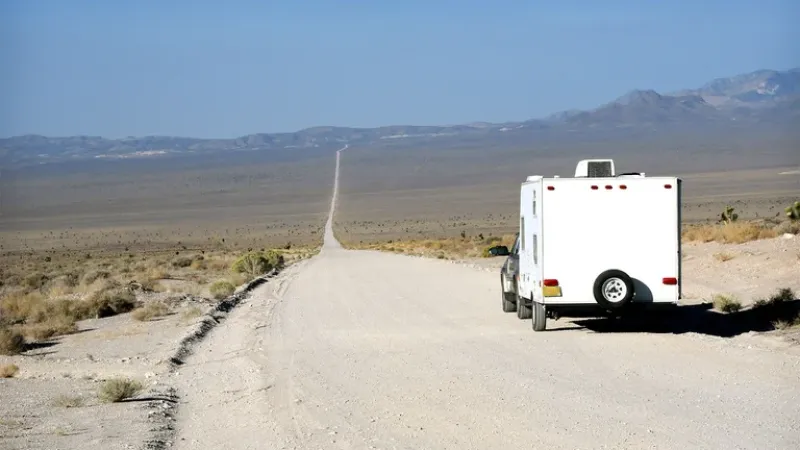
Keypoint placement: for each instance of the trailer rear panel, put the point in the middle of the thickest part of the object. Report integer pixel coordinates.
(590, 225)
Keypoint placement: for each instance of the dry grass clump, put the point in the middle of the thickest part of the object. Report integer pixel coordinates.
(12, 342)
(8, 370)
(728, 233)
(726, 303)
(221, 289)
(118, 389)
(151, 311)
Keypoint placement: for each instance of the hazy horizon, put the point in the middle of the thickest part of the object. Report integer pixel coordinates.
(193, 69)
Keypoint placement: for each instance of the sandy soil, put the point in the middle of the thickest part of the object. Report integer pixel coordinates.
(70, 368)
(361, 349)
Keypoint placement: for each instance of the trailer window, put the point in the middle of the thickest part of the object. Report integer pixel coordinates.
(535, 249)
(534, 203)
(522, 233)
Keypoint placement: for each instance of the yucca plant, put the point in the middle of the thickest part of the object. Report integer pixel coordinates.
(793, 211)
(728, 215)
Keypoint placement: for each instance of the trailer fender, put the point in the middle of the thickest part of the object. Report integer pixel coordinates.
(613, 289)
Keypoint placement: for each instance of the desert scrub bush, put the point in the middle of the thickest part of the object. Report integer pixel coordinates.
(150, 311)
(109, 303)
(726, 303)
(221, 289)
(11, 342)
(50, 327)
(8, 370)
(16, 307)
(252, 264)
(118, 389)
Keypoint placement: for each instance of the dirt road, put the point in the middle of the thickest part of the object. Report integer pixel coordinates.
(366, 350)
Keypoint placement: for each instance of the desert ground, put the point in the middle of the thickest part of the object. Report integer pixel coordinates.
(369, 348)
(434, 195)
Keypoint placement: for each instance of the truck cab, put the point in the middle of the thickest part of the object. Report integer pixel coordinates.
(509, 275)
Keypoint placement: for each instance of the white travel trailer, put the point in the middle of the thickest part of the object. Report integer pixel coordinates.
(598, 243)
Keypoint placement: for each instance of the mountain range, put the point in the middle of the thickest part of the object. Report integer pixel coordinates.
(765, 101)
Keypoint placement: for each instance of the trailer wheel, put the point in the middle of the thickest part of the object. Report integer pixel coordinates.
(539, 321)
(613, 289)
(508, 297)
(523, 310)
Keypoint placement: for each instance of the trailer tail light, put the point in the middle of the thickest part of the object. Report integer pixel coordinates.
(670, 281)
(551, 288)
(551, 188)
(668, 186)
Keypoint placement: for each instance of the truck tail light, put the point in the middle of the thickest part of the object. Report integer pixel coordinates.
(671, 281)
(551, 288)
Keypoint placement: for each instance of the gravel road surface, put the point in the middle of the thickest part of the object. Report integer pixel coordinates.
(367, 350)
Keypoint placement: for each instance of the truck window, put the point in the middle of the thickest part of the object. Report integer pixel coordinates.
(515, 247)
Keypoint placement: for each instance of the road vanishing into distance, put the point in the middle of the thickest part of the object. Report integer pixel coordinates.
(367, 350)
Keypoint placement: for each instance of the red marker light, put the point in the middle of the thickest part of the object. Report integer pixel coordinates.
(622, 186)
(594, 187)
(608, 186)
(550, 282)
(671, 281)
(668, 186)
(551, 188)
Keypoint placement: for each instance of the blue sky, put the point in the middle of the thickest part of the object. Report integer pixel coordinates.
(225, 69)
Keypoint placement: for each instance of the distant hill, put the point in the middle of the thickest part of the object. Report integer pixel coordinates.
(764, 102)
(755, 89)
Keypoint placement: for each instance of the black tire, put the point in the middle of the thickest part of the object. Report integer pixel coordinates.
(539, 319)
(508, 298)
(613, 289)
(523, 311)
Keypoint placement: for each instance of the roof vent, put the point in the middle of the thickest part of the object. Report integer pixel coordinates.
(595, 168)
